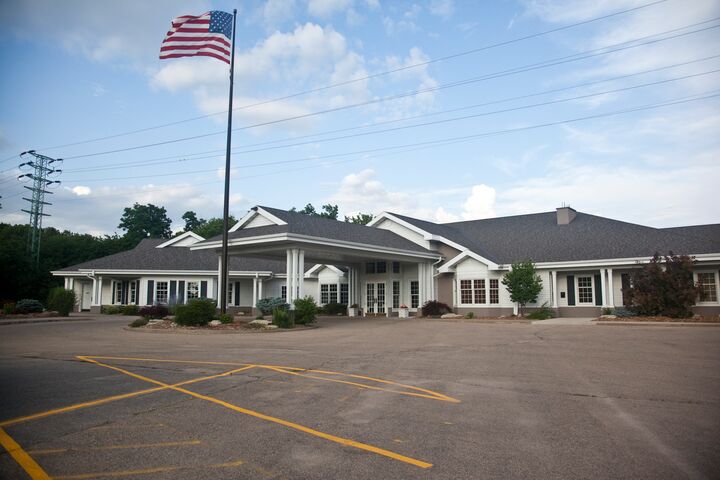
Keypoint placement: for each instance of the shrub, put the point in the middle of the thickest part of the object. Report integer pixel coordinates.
(470, 315)
(282, 318)
(226, 318)
(8, 308)
(259, 316)
(61, 300)
(130, 309)
(153, 311)
(542, 313)
(269, 305)
(28, 305)
(434, 308)
(607, 311)
(335, 308)
(305, 310)
(140, 322)
(110, 309)
(622, 312)
(198, 311)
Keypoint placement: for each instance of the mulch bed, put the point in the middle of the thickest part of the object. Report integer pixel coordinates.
(701, 319)
(4, 316)
(235, 327)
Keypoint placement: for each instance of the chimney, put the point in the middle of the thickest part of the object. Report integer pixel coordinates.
(565, 215)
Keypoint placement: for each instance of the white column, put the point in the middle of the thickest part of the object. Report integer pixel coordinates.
(260, 286)
(255, 291)
(72, 283)
(219, 281)
(611, 288)
(301, 273)
(421, 285)
(603, 286)
(100, 287)
(93, 301)
(293, 276)
(553, 277)
(288, 276)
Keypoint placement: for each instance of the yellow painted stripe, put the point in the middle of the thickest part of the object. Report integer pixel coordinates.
(22, 458)
(115, 447)
(302, 428)
(120, 473)
(163, 360)
(113, 398)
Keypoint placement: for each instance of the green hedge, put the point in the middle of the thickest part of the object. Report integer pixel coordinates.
(196, 312)
(283, 318)
(61, 300)
(305, 310)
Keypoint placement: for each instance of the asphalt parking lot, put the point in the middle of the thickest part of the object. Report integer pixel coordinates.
(360, 399)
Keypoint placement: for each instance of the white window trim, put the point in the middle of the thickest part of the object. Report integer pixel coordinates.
(472, 278)
(155, 297)
(696, 278)
(187, 290)
(577, 290)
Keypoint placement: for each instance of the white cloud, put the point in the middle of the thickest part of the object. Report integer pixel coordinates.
(277, 12)
(480, 203)
(326, 8)
(442, 8)
(81, 190)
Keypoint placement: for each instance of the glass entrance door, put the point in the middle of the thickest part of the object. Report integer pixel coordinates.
(375, 298)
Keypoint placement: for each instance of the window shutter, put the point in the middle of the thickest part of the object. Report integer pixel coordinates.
(112, 299)
(571, 289)
(203, 289)
(598, 291)
(181, 292)
(125, 292)
(150, 292)
(237, 294)
(173, 292)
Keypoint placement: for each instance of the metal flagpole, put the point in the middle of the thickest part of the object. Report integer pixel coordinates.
(226, 204)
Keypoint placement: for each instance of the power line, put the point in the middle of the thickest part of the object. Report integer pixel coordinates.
(548, 63)
(368, 77)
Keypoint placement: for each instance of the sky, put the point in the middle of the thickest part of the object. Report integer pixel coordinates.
(442, 110)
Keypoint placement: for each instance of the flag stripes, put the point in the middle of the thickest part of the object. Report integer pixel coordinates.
(204, 35)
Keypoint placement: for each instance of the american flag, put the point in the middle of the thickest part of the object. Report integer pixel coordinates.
(207, 35)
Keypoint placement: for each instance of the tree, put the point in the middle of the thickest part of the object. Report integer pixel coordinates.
(143, 221)
(213, 227)
(328, 211)
(360, 218)
(663, 287)
(523, 283)
(191, 221)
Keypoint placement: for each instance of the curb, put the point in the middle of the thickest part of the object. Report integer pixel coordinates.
(659, 324)
(182, 331)
(21, 321)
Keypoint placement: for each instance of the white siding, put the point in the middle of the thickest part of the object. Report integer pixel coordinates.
(258, 221)
(404, 232)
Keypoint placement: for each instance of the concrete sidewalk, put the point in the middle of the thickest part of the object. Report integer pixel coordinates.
(565, 321)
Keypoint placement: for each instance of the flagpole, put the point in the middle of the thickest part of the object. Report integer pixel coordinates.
(226, 204)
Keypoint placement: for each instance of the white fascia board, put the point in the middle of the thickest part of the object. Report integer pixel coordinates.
(425, 234)
(337, 271)
(614, 262)
(448, 267)
(150, 273)
(185, 235)
(275, 237)
(319, 266)
(251, 214)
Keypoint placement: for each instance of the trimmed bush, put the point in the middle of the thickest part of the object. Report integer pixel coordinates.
(8, 308)
(283, 318)
(140, 322)
(198, 311)
(153, 311)
(130, 309)
(335, 309)
(434, 308)
(61, 300)
(269, 305)
(542, 313)
(305, 310)
(28, 305)
(470, 315)
(226, 319)
(110, 309)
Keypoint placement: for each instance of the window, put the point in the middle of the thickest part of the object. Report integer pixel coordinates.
(328, 293)
(472, 291)
(585, 289)
(283, 291)
(708, 290)
(344, 295)
(381, 267)
(118, 292)
(229, 297)
(133, 292)
(414, 294)
(396, 267)
(333, 293)
(396, 294)
(193, 290)
(370, 267)
(494, 290)
(161, 292)
(380, 298)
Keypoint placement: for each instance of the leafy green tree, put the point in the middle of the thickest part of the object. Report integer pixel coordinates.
(664, 286)
(191, 221)
(143, 221)
(213, 227)
(360, 218)
(523, 284)
(328, 211)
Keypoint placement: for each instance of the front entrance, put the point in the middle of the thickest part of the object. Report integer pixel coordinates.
(86, 296)
(375, 298)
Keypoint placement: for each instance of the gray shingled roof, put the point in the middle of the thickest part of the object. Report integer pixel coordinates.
(302, 224)
(588, 237)
(146, 257)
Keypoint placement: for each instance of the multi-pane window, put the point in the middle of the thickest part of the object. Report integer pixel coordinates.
(118, 292)
(708, 289)
(328, 293)
(283, 291)
(161, 292)
(414, 294)
(370, 267)
(230, 292)
(494, 290)
(395, 294)
(380, 298)
(585, 289)
(193, 290)
(344, 295)
(133, 292)
(472, 291)
(396, 267)
(376, 267)
(381, 267)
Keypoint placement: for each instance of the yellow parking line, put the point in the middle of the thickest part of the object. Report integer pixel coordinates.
(22, 458)
(302, 428)
(113, 398)
(114, 447)
(145, 471)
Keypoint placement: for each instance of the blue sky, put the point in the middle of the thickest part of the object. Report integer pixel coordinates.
(79, 70)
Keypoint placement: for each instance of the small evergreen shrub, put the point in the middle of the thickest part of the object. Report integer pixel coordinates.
(28, 305)
(282, 318)
(226, 319)
(269, 305)
(140, 322)
(259, 316)
(607, 311)
(434, 308)
(623, 312)
(111, 309)
(153, 311)
(305, 310)
(8, 308)
(198, 311)
(470, 315)
(335, 309)
(130, 310)
(542, 313)
(61, 300)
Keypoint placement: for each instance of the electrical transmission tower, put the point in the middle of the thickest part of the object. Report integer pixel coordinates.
(40, 173)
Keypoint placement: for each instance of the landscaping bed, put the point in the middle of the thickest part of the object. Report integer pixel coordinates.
(168, 325)
(698, 319)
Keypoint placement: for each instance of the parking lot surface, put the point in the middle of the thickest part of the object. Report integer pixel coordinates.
(360, 398)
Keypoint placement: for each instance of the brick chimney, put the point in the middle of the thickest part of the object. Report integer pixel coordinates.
(565, 215)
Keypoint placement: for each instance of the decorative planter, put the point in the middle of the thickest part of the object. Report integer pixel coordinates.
(352, 311)
(404, 312)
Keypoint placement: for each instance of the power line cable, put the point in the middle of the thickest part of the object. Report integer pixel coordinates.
(368, 77)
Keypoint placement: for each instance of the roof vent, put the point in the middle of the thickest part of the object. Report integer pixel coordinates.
(565, 215)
